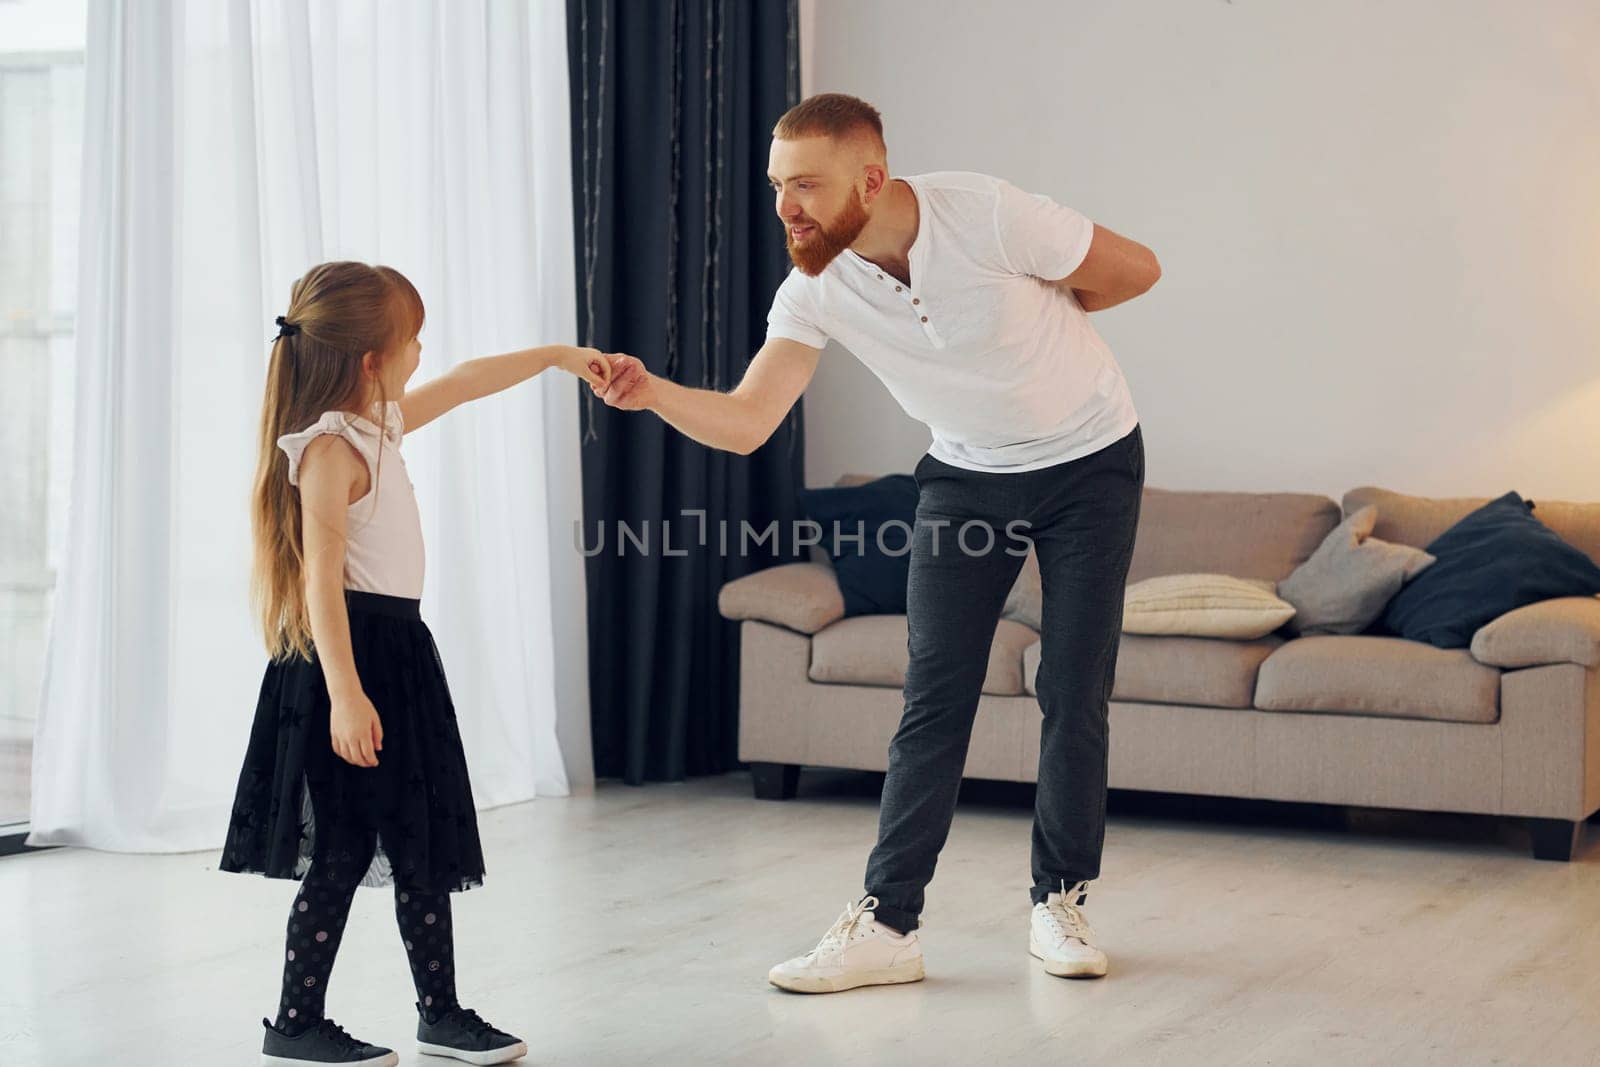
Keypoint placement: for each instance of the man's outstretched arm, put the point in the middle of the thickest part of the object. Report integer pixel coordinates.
(738, 421)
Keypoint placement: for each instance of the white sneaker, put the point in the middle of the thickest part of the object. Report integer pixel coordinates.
(1061, 937)
(856, 951)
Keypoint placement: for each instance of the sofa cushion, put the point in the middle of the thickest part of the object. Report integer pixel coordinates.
(866, 531)
(801, 596)
(1498, 558)
(1350, 578)
(1179, 670)
(871, 650)
(1249, 535)
(1417, 520)
(1563, 630)
(1204, 605)
(1386, 676)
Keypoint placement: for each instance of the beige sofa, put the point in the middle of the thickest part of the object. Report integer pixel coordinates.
(1509, 727)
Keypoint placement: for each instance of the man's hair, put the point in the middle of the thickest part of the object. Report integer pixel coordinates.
(834, 115)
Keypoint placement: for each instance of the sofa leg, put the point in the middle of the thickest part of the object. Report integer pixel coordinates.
(775, 781)
(1554, 839)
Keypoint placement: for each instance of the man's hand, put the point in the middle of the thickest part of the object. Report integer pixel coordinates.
(632, 388)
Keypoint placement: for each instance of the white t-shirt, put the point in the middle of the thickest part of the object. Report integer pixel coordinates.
(1006, 371)
(383, 530)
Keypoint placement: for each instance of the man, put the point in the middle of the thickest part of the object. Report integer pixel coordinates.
(969, 299)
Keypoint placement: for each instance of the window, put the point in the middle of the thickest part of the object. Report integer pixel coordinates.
(41, 125)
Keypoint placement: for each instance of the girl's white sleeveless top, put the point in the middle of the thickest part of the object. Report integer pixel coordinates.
(383, 530)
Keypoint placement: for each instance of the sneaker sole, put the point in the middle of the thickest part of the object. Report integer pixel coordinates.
(499, 1055)
(898, 975)
(1079, 969)
(387, 1060)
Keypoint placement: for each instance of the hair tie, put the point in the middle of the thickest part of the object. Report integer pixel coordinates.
(286, 328)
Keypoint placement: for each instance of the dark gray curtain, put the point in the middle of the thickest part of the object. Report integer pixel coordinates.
(679, 253)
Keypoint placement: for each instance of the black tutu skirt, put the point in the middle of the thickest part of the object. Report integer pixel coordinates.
(410, 820)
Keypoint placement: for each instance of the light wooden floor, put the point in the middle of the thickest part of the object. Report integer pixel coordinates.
(635, 926)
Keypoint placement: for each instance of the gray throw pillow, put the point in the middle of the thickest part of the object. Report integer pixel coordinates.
(1350, 578)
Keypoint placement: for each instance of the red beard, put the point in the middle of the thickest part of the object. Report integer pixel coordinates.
(826, 242)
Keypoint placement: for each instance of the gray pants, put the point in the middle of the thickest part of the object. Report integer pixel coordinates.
(1081, 516)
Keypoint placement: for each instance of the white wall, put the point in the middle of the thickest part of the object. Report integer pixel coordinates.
(1379, 223)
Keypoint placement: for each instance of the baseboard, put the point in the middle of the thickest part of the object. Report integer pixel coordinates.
(13, 842)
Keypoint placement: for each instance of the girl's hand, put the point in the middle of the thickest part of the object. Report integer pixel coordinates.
(631, 387)
(357, 733)
(588, 364)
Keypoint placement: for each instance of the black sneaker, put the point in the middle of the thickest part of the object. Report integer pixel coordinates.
(325, 1042)
(462, 1034)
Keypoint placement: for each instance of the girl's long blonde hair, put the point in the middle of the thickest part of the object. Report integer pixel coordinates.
(337, 313)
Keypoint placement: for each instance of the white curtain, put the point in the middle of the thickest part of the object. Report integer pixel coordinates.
(229, 146)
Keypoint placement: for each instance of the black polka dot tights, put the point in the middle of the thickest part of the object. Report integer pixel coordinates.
(316, 926)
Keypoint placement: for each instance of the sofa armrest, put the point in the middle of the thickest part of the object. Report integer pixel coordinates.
(800, 596)
(1564, 630)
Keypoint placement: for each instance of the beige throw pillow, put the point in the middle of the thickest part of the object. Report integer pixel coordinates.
(1204, 605)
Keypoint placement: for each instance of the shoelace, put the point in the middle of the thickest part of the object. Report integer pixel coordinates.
(838, 934)
(1066, 920)
(338, 1035)
(473, 1023)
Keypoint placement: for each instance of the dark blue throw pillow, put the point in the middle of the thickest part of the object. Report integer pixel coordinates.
(1495, 560)
(872, 580)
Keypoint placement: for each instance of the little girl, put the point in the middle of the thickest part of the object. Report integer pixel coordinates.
(354, 773)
